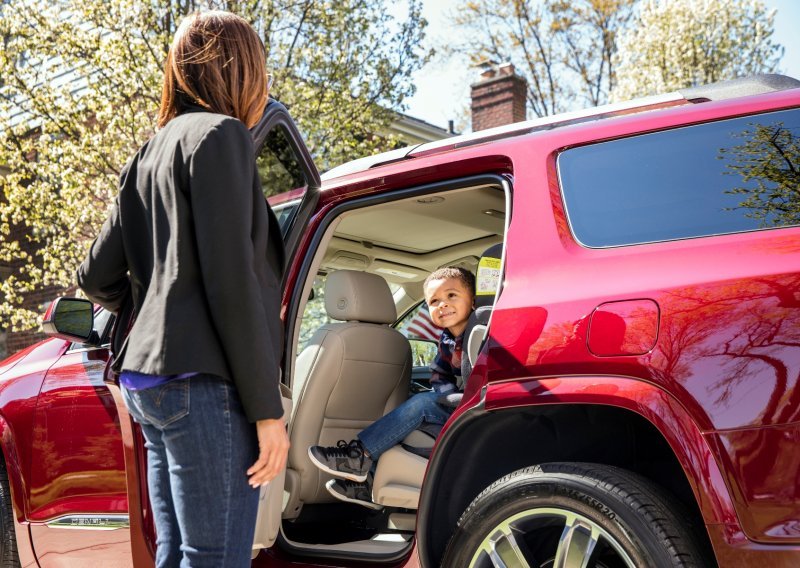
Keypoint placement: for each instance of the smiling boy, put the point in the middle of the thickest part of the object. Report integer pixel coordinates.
(449, 294)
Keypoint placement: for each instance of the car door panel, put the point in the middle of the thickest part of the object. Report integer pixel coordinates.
(77, 491)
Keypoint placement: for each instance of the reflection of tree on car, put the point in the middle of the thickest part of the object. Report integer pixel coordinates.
(768, 164)
(277, 166)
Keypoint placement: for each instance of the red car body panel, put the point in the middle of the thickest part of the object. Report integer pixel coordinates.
(709, 354)
(645, 399)
(81, 468)
(21, 377)
(76, 442)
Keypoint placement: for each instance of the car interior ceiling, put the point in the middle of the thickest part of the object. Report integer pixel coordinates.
(402, 241)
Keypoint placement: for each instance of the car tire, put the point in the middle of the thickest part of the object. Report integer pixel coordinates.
(9, 557)
(575, 515)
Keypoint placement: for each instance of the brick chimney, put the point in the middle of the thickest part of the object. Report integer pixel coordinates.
(499, 96)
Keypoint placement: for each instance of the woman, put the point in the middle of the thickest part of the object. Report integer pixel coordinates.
(192, 241)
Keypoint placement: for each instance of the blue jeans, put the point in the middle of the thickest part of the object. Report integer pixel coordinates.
(400, 422)
(199, 445)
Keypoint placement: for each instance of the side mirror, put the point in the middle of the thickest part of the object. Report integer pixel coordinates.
(71, 319)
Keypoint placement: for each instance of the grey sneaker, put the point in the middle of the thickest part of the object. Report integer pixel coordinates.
(347, 461)
(353, 492)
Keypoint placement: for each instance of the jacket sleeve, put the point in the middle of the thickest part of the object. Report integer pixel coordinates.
(221, 179)
(103, 275)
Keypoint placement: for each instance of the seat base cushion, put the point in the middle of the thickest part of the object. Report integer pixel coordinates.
(398, 478)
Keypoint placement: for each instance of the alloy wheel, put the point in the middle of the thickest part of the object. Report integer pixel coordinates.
(550, 538)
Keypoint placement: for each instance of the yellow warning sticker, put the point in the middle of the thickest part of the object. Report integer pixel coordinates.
(488, 277)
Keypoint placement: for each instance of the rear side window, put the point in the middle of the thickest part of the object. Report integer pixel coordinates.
(723, 177)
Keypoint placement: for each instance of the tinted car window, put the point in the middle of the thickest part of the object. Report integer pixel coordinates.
(277, 164)
(284, 213)
(722, 177)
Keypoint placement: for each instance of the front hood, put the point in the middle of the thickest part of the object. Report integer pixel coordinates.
(45, 350)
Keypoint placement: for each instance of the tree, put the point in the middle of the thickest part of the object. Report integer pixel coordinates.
(82, 87)
(767, 163)
(683, 43)
(588, 32)
(564, 48)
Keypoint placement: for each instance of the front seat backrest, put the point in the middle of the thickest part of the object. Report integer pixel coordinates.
(352, 373)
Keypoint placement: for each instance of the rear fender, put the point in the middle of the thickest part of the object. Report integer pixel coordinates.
(657, 407)
(652, 403)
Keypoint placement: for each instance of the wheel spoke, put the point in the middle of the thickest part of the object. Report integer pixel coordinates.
(576, 545)
(526, 538)
(505, 551)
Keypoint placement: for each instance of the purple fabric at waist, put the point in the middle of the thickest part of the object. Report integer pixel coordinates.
(132, 380)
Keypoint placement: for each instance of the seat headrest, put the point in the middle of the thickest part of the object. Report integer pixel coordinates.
(359, 296)
(487, 277)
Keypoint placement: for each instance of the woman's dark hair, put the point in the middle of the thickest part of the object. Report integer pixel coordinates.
(216, 61)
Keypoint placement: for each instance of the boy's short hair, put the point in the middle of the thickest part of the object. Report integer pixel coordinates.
(466, 277)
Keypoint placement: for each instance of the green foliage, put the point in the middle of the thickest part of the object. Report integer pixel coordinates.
(423, 352)
(681, 43)
(81, 86)
(580, 52)
(768, 165)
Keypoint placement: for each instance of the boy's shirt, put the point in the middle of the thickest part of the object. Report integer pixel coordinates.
(446, 367)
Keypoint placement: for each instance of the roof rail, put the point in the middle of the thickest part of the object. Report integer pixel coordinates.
(741, 87)
(363, 164)
(515, 129)
(550, 122)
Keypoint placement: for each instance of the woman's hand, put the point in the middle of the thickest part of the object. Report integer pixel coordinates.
(273, 448)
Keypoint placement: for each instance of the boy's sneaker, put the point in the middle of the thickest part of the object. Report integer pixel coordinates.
(353, 492)
(348, 461)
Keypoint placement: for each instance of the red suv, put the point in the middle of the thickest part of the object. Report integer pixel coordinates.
(634, 399)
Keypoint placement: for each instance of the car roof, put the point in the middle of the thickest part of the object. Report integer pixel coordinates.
(741, 87)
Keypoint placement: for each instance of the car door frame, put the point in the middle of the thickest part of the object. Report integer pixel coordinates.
(330, 208)
(276, 115)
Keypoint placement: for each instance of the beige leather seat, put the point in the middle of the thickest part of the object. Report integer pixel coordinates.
(399, 474)
(350, 374)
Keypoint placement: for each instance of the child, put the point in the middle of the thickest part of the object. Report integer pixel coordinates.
(449, 293)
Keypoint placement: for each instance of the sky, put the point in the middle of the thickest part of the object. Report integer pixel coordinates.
(443, 86)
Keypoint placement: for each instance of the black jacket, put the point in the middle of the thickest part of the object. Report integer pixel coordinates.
(193, 239)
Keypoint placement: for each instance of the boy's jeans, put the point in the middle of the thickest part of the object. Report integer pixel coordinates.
(400, 422)
(199, 445)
